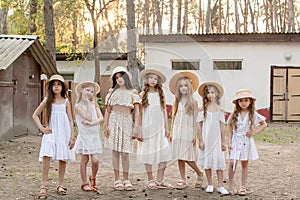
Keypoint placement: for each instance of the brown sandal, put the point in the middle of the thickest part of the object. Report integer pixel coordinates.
(43, 192)
(93, 182)
(87, 187)
(61, 190)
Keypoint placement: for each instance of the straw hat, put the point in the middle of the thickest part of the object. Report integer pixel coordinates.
(243, 93)
(78, 87)
(189, 75)
(204, 85)
(57, 77)
(153, 71)
(121, 69)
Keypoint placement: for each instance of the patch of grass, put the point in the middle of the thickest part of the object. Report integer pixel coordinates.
(279, 135)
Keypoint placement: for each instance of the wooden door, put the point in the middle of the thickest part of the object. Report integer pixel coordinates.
(285, 94)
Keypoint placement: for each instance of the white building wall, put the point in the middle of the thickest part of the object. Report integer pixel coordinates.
(257, 59)
(84, 70)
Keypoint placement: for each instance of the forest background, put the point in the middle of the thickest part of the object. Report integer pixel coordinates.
(83, 26)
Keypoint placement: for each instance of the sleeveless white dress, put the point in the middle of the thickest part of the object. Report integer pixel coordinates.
(155, 148)
(88, 139)
(56, 144)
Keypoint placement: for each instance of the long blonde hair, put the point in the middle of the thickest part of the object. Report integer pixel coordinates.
(159, 89)
(189, 106)
(233, 119)
(205, 100)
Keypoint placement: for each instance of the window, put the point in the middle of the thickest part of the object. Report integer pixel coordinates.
(228, 65)
(68, 77)
(185, 64)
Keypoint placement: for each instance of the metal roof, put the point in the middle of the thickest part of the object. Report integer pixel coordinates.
(12, 47)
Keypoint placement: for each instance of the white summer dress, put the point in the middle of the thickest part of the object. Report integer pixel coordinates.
(56, 144)
(88, 139)
(243, 147)
(212, 156)
(183, 134)
(155, 148)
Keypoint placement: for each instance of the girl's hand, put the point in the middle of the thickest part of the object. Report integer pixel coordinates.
(137, 133)
(250, 133)
(229, 146)
(223, 147)
(167, 133)
(170, 137)
(71, 143)
(201, 145)
(194, 141)
(106, 132)
(86, 122)
(46, 130)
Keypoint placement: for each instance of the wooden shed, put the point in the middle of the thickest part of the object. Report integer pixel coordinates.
(22, 61)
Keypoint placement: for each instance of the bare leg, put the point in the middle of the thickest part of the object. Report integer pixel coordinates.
(116, 164)
(83, 163)
(125, 165)
(209, 176)
(45, 170)
(194, 166)
(161, 171)
(95, 166)
(220, 178)
(61, 171)
(244, 165)
(148, 168)
(181, 166)
(231, 173)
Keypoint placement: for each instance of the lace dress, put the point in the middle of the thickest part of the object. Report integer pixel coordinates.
(182, 136)
(56, 144)
(120, 124)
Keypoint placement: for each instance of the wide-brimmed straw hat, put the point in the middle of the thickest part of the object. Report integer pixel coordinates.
(189, 75)
(78, 87)
(243, 93)
(121, 69)
(204, 85)
(153, 71)
(57, 77)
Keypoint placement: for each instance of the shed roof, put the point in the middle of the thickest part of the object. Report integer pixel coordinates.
(12, 46)
(221, 37)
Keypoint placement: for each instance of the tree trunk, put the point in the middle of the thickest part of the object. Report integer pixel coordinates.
(131, 43)
(3, 20)
(291, 17)
(179, 2)
(49, 29)
(171, 16)
(147, 17)
(219, 27)
(185, 17)
(208, 17)
(32, 16)
(252, 18)
(237, 17)
(158, 16)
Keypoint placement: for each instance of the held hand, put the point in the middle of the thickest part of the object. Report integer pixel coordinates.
(106, 132)
(170, 137)
(223, 147)
(201, 145)
(194, 141)
(137, 133)
(250, 133)
(71, 143)
(167, 133)
(46, 130)
(229, 147)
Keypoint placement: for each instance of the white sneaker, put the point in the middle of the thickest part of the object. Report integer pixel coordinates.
(209, 189)
(222, 191)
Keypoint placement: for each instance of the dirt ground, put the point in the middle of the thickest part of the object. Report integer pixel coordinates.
(276, 175)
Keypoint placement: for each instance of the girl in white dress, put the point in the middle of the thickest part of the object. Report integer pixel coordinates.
(183, 131)
(155, 148)
(243, 123)
(211, 129)
(121, 101)
(58, 138)
(88, 143)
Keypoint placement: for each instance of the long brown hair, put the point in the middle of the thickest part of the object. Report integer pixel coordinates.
(51, 97)
(205, 100)
(159, 89)
(233, 119)
(189, 106)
